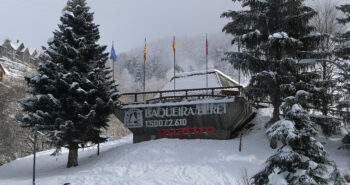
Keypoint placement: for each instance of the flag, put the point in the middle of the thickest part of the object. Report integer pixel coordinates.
(174, 48)
(145, 52)
(206, 45)
(113, 54)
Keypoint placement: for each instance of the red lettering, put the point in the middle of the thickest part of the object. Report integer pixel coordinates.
(201, 130)
(162, 132)
(172, 132)
(195, 130)
(212, 130)
(180, 131)
(188, 129)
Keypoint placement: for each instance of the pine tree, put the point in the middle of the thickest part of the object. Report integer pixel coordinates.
(301, 160)
(343, 52)
(325, 94)
(274, 33)
(73, 90)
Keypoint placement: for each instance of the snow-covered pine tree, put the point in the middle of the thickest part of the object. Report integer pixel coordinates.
(324, 94)
(73, 90)
(301, 160)
(343, 52)
(273, 33)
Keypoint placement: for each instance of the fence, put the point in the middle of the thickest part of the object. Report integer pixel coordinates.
(154, 96)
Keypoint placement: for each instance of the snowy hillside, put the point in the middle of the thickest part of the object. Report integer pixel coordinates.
(15, 141)
(165, 161)
(16, 69)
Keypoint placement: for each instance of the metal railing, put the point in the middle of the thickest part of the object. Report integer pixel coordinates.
(147, 97)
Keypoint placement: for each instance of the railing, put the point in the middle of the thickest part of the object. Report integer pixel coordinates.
(180, 94)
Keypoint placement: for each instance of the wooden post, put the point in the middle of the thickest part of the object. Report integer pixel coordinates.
(240, 143)
(98, 148)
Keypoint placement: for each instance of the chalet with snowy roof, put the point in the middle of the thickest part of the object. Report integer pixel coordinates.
(2, 73)
(18, 52)
(206, 105)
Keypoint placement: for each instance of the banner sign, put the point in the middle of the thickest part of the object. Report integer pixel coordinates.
(170, 116)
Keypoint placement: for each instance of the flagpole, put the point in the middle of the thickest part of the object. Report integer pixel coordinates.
(174, 64)
(206, 58)
(239, 69)
(113, 62)
(144, 70)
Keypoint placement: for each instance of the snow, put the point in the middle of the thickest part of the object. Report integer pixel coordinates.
(192, 82)
(197, 79)
(163, 161)
(283, 129)
(31, 50)
(277, 179)
(250, 34)
(16, 70)
(279, 35)
(16, 45)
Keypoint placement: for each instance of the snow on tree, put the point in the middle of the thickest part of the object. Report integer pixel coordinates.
(301, 160)
(343, 52)
(274, 34)
(73, 90)
(323, 76)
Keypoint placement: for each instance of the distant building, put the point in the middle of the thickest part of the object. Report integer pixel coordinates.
(18, 52)
(2, 73)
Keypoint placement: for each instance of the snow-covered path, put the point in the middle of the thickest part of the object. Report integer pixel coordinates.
(164, 161)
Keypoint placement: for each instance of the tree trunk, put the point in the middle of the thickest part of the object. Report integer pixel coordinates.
(324, 100)
(276, 110)
(73, 156)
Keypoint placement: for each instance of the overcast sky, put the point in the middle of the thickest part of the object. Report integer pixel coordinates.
(127, 22)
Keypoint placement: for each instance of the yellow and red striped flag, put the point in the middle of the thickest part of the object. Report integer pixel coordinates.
(145, 52)
(174, 48)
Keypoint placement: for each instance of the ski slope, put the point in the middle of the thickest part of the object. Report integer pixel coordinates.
(164, 161)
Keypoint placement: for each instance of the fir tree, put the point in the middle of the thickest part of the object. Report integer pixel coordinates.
(274, 33)
(343, 52)
(73, 90)
(301, 160)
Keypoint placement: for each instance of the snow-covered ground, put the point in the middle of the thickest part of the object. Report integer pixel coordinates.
(164, 161)
(16, 69)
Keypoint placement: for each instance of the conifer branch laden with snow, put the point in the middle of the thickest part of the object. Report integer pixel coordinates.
(274, 34)
(343, 52)
(73, 90)
(301, 159)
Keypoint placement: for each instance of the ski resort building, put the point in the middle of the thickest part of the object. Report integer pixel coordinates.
(192, 105)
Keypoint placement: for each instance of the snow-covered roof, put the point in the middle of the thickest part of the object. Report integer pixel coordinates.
(32, 50)
(197, 79)
(16, 45)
